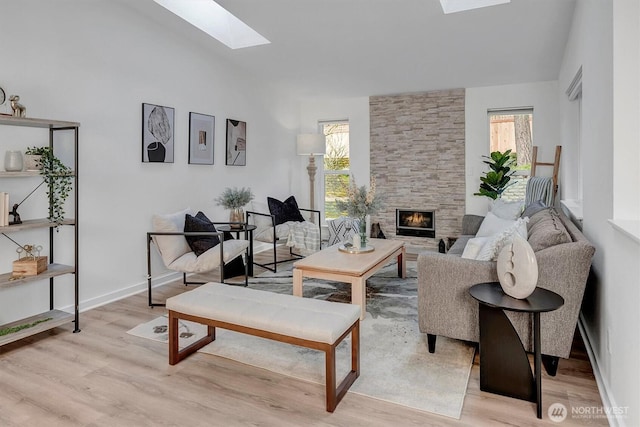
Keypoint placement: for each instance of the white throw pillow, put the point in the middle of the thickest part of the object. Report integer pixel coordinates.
(495, 243)
(507, 209)
(171, 247)
(493, 224)
(473, 246)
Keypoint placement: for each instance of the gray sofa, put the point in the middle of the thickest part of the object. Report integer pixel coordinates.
(564, 258)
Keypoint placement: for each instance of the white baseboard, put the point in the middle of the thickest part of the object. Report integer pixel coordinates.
(124, 293)
(605, 394)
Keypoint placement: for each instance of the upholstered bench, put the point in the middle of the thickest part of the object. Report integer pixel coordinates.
(307, 322)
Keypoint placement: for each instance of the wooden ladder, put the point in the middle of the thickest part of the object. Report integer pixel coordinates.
(556, 166)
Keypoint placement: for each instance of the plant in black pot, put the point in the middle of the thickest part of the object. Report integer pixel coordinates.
(496, 180)
(59, 180)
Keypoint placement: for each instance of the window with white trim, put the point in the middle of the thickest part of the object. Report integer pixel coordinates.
(336, 165)
(512, 129)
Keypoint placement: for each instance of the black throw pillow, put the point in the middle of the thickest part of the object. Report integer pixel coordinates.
(284, 211)
(200, 222)
(234, 268)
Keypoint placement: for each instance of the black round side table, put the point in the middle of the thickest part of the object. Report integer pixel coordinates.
(504, 365)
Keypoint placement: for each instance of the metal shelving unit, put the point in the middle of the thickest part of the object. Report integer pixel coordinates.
(51, 318)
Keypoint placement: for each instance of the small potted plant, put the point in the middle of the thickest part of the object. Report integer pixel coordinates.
(32, 156)
(235, 199)
(57, 176)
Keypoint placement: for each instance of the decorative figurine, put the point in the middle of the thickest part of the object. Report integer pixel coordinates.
(19, 110)
(517, 268)
(16, 215)
(30, 251)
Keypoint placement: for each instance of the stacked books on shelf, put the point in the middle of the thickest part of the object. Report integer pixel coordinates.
(4, 209)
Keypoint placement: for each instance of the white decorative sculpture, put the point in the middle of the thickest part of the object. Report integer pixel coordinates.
(517, 268)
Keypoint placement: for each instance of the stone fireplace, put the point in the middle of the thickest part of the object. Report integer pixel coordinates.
(417, 158)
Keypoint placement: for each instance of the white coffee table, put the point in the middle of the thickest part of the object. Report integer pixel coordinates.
(332, 264)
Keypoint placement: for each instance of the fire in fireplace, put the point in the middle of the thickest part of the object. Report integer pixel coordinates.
(415, 222)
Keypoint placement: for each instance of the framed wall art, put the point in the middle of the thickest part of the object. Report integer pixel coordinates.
(236, 143)
(157, 133)
(201, 137)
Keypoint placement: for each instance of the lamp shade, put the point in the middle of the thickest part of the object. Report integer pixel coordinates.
(310, 144)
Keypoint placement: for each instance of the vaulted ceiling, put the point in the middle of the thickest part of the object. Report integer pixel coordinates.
(374, 47)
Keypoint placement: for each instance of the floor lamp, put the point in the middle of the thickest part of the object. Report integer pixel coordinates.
(311, 144)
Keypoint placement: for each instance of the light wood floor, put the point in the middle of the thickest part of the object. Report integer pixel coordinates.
(104, 377)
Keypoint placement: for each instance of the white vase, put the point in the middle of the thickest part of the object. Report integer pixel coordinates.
(517, 268)
(13, 161)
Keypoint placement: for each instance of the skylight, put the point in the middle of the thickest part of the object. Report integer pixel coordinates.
(453, 6)
(216, 21)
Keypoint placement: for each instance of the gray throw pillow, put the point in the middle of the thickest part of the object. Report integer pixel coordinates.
(547, 230)
(533, 208)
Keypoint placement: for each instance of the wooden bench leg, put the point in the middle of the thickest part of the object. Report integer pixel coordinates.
(330, 378)
(175, 354)
(334, 395)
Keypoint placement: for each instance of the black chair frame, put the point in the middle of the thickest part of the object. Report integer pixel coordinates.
(220, 235)
(273, 266)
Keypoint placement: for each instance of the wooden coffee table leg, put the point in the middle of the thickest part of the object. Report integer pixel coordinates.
(359, 294)
(297, 282)
(402, 264)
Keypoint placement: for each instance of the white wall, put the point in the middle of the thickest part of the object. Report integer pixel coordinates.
(610, 309)
(356, 110)
(541, 96)
(96, 62)
(626, 108)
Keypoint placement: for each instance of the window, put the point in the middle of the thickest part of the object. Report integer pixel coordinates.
(336, 165)
(573, 184)
(513, 130)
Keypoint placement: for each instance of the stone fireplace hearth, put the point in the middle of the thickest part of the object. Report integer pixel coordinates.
(417, 159)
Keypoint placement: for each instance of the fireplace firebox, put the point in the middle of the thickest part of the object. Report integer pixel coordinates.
(415, 222)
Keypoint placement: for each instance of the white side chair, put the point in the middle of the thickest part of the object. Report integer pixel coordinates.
(268, 231)
(169, 237)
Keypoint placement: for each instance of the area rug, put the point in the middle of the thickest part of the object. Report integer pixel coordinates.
(395, 363)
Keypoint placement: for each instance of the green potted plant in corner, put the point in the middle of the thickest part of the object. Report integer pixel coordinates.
(496, 180)
(59, 180)
(235, 199)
